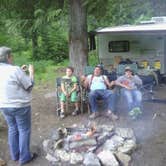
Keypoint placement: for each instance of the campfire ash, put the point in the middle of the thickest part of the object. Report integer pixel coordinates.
(94, 145)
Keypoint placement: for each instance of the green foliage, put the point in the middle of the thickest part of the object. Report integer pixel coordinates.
(93, 58)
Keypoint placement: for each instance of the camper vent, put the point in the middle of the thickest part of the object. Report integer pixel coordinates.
(159, 19)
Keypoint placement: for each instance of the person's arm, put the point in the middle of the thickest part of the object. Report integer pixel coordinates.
(26, 79)
(119, 82)
(63, 89)
(86, 82)
(107, 82)
(75, 85)
(31, 72)
(137, 80)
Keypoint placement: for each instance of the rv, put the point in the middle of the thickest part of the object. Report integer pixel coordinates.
(145, 42)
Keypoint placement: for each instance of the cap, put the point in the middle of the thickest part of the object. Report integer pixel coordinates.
(99, 66)
(128, 68)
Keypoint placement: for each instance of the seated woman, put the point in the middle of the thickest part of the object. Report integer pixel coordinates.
(129, 83)
(69, 91)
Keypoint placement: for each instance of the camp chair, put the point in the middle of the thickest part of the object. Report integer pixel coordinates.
(121, 68)
(67, 103)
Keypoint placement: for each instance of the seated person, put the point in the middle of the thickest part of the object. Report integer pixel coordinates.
(112, 76)
(97, 84)
(69, 90)
(129, 90)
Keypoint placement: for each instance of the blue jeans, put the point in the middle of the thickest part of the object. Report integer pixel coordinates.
(106, 95)
(133, 98)
(19, 130)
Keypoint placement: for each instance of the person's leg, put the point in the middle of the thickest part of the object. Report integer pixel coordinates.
(137, 98)
(74, 99)
(23, 119)
(62, 100)
(109, 98)
(93, 100)
(129, 98)
(62, 104)
(13, 136)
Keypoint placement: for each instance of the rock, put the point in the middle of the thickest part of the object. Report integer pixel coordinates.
(91, 159)
(113, 143)
(51, 158)
(76, 158)
(126, 133)
(107, 128)
(107, 158)
(128, 147)
(62, 155)
(123, 158)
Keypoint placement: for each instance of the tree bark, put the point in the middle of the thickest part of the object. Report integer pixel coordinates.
(78, 37)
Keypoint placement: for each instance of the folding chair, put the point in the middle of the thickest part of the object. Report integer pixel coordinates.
(67, 103)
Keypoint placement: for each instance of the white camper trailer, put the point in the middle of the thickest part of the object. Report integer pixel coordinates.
(144, 42)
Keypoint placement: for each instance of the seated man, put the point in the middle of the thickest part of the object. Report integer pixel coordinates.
(97, 84)
(129, 90)
(69, 91)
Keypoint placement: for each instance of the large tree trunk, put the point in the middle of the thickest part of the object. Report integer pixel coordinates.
(78, 38)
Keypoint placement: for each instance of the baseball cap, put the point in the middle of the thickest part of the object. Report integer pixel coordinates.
(128, 68)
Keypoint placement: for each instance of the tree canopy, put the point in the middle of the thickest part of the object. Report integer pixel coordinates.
(58, 29)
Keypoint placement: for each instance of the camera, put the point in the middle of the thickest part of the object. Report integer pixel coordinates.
(24, 67)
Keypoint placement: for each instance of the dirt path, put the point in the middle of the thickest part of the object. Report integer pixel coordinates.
(150, 129)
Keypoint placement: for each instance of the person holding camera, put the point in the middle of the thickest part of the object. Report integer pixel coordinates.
(15, 104)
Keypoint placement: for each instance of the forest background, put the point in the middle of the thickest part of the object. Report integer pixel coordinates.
(42, 32)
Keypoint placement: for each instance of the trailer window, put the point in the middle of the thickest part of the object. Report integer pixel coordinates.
(118, 46)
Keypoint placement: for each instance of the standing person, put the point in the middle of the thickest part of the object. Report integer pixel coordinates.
(97, 85)
(69, 85)
(129, 83)
(15, 98)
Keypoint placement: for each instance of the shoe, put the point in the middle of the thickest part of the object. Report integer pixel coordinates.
(94, 115)
(62, 115)
(33, 157)
(135, 112)
(112, 116)
(75, 112)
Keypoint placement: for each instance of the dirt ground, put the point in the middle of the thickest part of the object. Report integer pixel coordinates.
(149, 129)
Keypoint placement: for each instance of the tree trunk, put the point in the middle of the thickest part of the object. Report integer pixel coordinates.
(78, 38)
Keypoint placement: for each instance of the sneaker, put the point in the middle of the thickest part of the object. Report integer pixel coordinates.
(75, 112)
(112, 116)
(94, 115)
(62, 115)
(135, 112)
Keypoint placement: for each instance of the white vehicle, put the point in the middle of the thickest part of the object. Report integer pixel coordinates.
(143, 42)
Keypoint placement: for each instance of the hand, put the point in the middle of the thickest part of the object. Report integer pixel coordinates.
(128, 87)
(24, 68)
(82, 78)
(112, 83)
(31, 69)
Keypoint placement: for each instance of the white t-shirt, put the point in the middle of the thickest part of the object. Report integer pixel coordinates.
(97, 82)
(14, 84)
